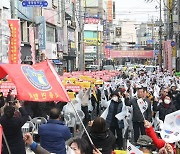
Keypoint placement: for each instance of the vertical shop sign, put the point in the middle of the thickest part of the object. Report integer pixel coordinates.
(14, 45)
(41, 32)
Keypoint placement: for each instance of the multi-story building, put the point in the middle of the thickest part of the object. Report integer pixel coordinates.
(98, 17)
(43, 32)
(5, 14)
(148, 35)
(171, 25)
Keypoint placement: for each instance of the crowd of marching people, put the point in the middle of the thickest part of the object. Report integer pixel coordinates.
(126, 113)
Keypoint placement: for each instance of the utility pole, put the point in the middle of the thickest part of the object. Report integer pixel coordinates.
(170, 16)
(160, 37)
(13, 11)
(97, 47)
(81, 27)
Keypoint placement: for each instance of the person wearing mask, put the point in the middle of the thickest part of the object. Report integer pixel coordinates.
(12, 129)
(54, 133)
(164, 108)
(101, 136)
(112, 122)
(141, 111)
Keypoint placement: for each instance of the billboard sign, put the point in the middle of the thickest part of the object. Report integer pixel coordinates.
(41, 32)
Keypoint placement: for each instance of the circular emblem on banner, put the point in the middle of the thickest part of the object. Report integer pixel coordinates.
(36, 77)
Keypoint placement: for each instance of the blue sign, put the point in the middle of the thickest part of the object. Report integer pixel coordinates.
(150, 41)
(156, 52)
(109, 47)
(40, 21)
(34, 3)
(173, 43)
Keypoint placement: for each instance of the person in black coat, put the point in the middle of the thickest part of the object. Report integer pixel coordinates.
(101, 136)
(164, 108)
(112, 122)
(139, 115)
(12, 129)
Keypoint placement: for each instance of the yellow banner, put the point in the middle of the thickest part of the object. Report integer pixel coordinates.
(91, 41)
(71, 95)
(174, 51)
(84, 84)
(87, 78)
(69, 80)
(170, 4)
(99, 82)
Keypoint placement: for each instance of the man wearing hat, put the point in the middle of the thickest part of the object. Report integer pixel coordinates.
(144, 143)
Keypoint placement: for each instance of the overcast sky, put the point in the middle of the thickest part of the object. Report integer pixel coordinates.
(137, 10)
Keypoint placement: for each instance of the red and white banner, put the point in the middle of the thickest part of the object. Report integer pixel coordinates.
(91, 21)
(132, 54)
(74, 88)
(167, 55)
(38, 82)
(107, 53)
(5, 86)
(14, 45)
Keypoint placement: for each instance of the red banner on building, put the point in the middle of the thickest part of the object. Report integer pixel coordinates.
(109, 10)
(38, 82)
(132, 54)
(167, 48)
(91, 21)
(14, 45)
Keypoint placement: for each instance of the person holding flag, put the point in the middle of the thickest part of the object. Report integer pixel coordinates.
(12, 129)
(141, 111)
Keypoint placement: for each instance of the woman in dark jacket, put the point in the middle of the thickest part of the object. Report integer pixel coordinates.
(12, 129)
(164, 108)
(102, 137)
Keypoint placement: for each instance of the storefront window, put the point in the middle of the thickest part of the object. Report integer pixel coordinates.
(50, 33)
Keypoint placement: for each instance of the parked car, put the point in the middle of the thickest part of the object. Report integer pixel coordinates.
(93, 68)
(108, 67)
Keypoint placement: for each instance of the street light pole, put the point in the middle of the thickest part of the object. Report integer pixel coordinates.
(160, 37)
(81, 57)
(97, 47)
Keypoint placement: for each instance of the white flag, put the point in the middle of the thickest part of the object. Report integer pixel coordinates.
(143, 105)
(171, 128)
(131, 149)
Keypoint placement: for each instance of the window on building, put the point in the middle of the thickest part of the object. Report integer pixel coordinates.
(90, 34)
(50, 33)
(24, 30)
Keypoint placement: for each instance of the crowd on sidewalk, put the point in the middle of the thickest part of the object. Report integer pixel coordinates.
(120, 111)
